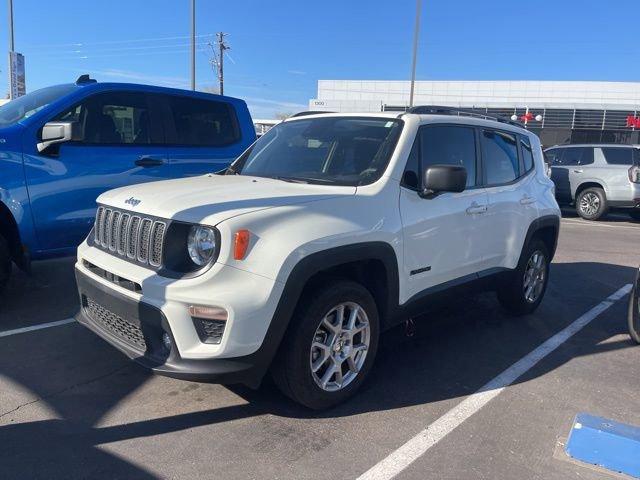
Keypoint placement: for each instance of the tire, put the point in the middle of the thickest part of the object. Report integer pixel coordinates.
(292, 369)
(5, 263)
(591, 203)
(634, 313)
(514, 292)
(635, 214)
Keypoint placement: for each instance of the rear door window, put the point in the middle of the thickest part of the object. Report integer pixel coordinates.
(578, 156)
(554, 156)
(499, 157)
(618, 155)
(198, 122)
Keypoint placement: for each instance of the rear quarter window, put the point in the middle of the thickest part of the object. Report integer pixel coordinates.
(199, 122)
(618, 155)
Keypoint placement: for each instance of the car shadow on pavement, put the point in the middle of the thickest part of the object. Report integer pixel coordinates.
(455, 350)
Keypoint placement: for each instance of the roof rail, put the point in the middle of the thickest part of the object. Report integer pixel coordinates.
(442, 110)
(309, 112)
(83, 79)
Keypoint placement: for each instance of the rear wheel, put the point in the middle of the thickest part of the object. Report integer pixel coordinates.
(522, 290)
(5, 263)
(591, 203)
(330, 346)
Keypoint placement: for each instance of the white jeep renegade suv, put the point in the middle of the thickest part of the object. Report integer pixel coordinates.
(328, 230)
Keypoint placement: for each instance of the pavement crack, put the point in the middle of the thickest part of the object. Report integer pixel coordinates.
(64, 390)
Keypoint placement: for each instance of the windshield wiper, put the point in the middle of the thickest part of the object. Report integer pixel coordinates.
(292, 179)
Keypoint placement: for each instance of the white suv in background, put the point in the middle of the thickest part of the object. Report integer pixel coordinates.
(328, 230)
(597, 178)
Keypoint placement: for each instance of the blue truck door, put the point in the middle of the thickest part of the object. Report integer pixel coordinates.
(121, 142)
(204, 135)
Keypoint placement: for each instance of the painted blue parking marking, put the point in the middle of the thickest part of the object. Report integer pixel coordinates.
(605, 443)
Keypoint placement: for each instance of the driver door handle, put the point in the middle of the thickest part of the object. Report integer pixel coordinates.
(579, 170)
(475, 209)
(149, 162)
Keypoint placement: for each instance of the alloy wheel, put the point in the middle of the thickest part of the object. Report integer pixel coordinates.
(340, 345)
(534, 276)
(589, 203)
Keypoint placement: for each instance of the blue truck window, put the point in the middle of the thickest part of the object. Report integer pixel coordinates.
(199, 122)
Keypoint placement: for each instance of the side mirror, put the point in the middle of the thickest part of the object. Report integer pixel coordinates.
(444, 178)
(57, 132)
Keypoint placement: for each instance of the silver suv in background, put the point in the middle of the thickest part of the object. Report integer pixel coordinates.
(597, 178)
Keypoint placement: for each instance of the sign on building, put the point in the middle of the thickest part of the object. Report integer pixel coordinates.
(16, 70)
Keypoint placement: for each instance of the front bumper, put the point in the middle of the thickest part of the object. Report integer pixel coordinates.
(136, 328)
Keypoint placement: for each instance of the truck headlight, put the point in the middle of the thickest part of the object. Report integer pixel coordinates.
(201, 244)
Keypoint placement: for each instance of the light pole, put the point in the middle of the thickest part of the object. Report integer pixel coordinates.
(193, 44)
(416, 32)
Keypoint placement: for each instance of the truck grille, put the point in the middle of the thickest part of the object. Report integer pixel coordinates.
(115, 324)
(129, 235)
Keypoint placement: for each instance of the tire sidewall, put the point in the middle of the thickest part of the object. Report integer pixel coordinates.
(633, 314)
(307, 321)
(603, 203)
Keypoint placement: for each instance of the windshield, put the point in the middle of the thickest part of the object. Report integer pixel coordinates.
(25, 106)
(328, 150)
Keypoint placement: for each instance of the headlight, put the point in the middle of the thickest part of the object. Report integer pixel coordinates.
(201, 244)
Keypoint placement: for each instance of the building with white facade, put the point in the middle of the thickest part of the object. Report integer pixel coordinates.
(569, 112)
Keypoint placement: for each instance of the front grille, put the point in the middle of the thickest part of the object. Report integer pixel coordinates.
(127, 235)
(114, 324)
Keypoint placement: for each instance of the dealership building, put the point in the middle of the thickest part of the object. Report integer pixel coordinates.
(558, 111)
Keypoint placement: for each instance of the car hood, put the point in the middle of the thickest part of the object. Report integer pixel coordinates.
(210, 199)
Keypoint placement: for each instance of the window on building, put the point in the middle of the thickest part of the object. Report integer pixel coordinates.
(449, 145)
(499, 157)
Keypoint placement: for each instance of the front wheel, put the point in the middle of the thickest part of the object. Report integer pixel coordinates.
(330, 345)
(634, 313)
(522, 289)
(591, 203)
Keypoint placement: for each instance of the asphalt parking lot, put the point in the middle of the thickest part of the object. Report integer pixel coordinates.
(73, 407)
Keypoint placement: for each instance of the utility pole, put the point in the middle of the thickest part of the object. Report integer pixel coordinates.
(416, 32)
(222, 46)
(193, 44)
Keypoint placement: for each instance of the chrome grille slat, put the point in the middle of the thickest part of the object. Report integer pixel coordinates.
(132, 237)
(143, 240)
(157, 240)
(113, 230)
(122, 233)
(104, 239)
(136, 237)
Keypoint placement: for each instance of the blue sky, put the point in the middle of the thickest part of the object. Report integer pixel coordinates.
(281, 48)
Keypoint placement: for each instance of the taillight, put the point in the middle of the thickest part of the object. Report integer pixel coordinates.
(547, 169)
(634, 174)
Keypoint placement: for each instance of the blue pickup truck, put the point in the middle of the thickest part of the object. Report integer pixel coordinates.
(62, 146)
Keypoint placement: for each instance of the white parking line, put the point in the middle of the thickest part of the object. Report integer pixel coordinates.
(32, 328)
(408, 453)
(585, 223)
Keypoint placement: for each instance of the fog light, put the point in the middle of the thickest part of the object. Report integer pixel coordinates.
(166, 341)
(209, 322)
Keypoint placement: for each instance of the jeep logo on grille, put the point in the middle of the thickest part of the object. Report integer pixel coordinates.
(132, 201)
